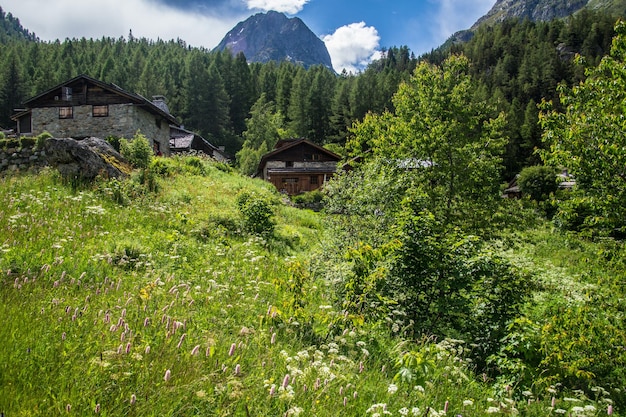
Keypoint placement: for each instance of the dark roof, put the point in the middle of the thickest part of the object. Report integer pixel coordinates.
(285, 144)
(135, 98)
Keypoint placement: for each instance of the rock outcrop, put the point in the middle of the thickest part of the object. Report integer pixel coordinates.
(85, 158)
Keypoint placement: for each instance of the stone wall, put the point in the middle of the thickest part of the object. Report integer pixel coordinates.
(123, 121)
(22, 159)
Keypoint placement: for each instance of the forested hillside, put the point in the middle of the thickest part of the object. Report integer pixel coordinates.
(517, 64)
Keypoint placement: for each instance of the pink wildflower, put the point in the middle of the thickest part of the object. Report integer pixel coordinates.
(237, 369)
(285, 381)
(273, 340)
(195, 350)
(232, 349)
(609, 411)
(133, 399)
(68, 408)
(445, 407)
(97, 409)
(168, 375)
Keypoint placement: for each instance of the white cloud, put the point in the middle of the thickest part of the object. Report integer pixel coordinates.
(61, 19)
(283, 6)
(353, 46)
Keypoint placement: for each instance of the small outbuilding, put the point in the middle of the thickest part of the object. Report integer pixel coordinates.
(297, 165)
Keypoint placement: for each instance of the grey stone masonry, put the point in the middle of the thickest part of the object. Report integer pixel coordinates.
(22, 159)
(123, 121)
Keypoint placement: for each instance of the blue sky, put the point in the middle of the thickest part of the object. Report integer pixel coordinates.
(354, 30)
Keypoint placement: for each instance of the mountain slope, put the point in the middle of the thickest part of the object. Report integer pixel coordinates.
(11, 28)
(275, 37)
(546, 10)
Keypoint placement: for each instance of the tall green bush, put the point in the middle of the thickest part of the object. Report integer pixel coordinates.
(137, 151)
(257, 213)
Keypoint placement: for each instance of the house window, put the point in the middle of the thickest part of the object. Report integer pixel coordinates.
(158, 123)
(66, 112)
(314, 180)
(289, 164)
(290, 180)
(66, 93)
(100, 111)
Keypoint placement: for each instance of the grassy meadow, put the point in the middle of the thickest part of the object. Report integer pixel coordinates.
(121, 299)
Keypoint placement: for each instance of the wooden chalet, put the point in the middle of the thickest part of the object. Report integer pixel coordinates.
(85, 107)
(297, 165)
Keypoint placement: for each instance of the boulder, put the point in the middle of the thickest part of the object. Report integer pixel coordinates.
(85, 158)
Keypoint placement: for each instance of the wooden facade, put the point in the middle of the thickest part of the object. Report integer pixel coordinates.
(297, 165)
(84, 107)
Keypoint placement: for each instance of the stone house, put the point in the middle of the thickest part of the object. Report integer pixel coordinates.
(85, 107)
(297, 165)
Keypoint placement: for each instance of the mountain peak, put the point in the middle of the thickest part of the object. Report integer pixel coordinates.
(272, 36)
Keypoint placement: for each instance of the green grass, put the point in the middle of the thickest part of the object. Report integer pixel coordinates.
(99, 301)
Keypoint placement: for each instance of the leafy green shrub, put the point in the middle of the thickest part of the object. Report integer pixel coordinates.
(137, 151)
(12, 143)
(114, 141)
(195, 165)
(163, 167)
(27, 143)
(224, 167)
(311, 199)
(2, 136)
(41, 139)
(538, 182)
(257, 212)
(149, 179)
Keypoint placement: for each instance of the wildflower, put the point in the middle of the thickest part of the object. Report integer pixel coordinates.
(492, 410)
(273, 340)
(195, 350)
(127, 348)
(68, 408)
(560, 411)
(416, 411)
(345, 401)
(403, 411)
(285, 381)
(468, 403)
(147, 349)
(97, 409)
(237, 369)
(232, 349)
(146, 322)
(182, 339)
(553, 402)
(63, 336)
(133, 399)
(609, 410)
(445, 407)
(272, 390)
(392, 389)
(168, 375)
(361, 367)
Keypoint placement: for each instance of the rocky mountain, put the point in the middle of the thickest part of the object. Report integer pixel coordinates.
(273, 36)
(537, 11)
